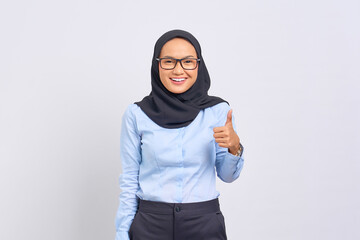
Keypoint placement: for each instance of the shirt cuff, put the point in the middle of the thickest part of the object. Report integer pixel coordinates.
(122, 236)
(232, 157)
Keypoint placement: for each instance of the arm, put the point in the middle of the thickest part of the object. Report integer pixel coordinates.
(228, 166)
(130, 154)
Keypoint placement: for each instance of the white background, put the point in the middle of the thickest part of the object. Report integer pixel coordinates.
(290, 70)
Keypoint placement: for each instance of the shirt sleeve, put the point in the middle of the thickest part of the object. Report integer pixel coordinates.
(130, 154)
(228, 166)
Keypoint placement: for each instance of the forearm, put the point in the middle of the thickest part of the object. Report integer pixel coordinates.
(128, 204)
(228, 166)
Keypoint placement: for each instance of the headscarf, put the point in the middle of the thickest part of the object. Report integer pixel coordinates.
(171, 110)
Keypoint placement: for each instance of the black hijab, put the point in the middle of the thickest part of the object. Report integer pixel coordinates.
(171, 110)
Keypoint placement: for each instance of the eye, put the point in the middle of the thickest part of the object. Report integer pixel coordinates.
(189, 61)
(168, 61)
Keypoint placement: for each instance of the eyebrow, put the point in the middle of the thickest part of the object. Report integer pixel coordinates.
(173, 57)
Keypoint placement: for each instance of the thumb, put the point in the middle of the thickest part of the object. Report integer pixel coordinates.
(229, 117)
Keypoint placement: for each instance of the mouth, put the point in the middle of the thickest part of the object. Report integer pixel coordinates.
(178, 80)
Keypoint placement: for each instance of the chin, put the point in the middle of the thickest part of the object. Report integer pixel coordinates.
(177, 92)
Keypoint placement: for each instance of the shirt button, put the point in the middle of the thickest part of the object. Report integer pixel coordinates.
(177, 209)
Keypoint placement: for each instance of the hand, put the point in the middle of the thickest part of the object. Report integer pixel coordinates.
(226, 136)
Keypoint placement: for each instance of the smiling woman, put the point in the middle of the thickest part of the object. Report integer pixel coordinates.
(171, 143)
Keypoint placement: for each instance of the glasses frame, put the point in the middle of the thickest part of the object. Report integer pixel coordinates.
(179, 60)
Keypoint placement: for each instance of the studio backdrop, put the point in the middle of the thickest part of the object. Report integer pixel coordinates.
(289, 69)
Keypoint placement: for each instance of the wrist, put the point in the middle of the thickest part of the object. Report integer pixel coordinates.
(234, 150)
(237, 150)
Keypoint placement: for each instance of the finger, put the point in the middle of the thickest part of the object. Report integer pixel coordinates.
(218, 129)
(229, 118)
(223, 145)
(221, 140)
(220, 135)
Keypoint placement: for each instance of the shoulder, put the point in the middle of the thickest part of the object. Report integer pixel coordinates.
(130, 114)
(130, 118)
(220, 108)
(219, 112)
(131, 111)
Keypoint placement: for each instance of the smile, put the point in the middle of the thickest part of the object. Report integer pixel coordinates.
(178, 79)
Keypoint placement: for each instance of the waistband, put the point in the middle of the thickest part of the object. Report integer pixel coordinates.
(204, 207)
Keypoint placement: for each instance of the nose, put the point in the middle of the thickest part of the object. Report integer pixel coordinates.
(178, 69)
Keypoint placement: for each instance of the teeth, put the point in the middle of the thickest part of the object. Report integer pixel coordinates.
(178, 79)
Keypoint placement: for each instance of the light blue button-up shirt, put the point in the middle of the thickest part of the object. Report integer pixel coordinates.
(171, 165)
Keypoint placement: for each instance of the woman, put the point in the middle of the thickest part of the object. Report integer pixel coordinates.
(171, 143)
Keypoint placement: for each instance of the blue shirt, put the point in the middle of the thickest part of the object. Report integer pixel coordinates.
(171, 165)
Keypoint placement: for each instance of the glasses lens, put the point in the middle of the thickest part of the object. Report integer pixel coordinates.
(168, 63)
(189, 63)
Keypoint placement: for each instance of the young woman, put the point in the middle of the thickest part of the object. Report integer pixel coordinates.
(172, 142)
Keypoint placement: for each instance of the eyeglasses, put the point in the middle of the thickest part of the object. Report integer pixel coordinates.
(186, 63)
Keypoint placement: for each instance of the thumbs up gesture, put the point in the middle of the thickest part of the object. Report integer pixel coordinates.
(226, 136)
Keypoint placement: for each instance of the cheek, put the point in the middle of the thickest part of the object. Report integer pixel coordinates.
(194, 76)
(162, 76)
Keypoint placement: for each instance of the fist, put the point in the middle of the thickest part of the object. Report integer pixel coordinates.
(226, 136)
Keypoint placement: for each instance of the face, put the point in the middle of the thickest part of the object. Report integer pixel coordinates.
(178, 48)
